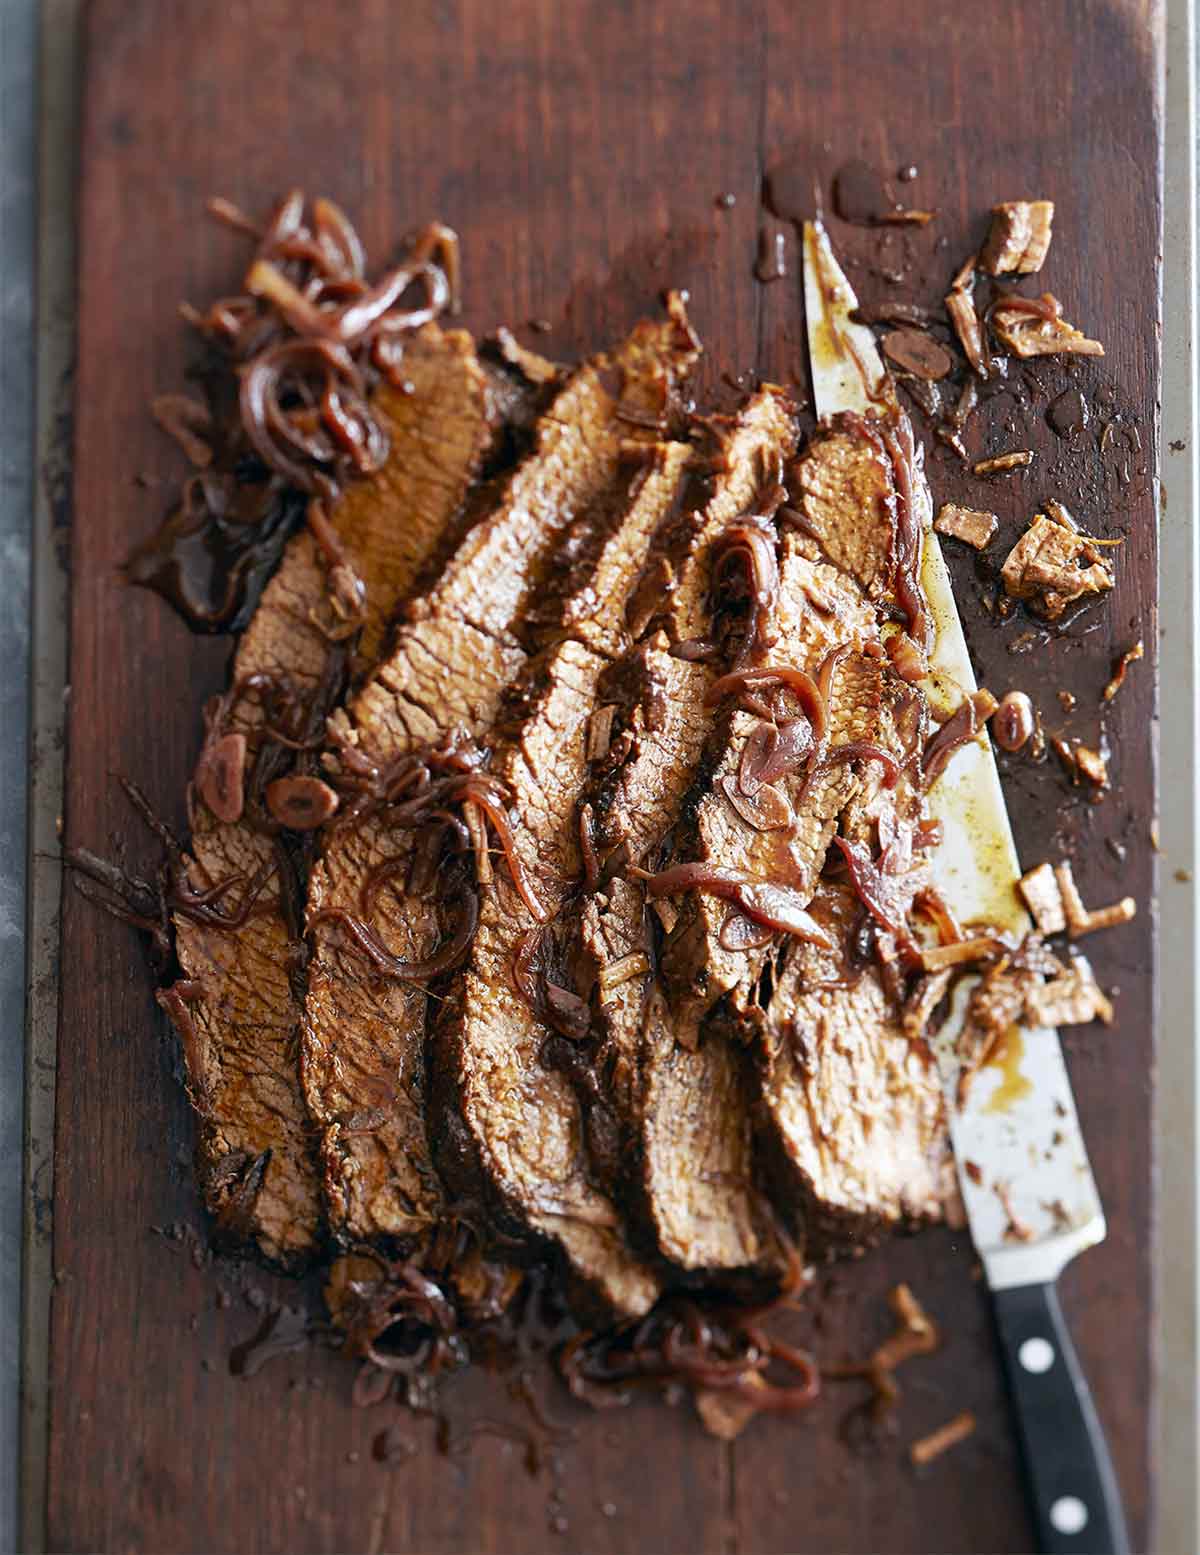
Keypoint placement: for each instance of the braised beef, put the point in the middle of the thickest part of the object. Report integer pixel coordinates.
(851, 1108)
(684, 1113)
(243, 997)
(529, 1129)
(460, 646)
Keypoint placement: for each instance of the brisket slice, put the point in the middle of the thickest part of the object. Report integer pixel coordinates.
(852, 1115)
(460, 646)
(237, 1004)
(683, 1115)
(852, 1122)
(697, 968)
(846, 491)
(524, 1139)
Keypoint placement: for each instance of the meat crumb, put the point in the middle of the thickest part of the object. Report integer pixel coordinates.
(915, 1334)
(1044, 899)
(726, 1412)
(1080, 920)
(974, 1171)
(927, 1448)
(960, 306)
(1130, 656)
(971, 525)
(1073, 998)
(1019, 237)
(1018, 1229)
(982, 947)
(1034, 326)
(1015, 460)
(1092, 764)
(1082, 761)
(1043, 567)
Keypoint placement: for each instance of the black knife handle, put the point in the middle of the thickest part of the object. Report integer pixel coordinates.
(1076, 1499)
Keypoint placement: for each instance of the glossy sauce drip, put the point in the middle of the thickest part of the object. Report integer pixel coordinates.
(1068, 414)
(212, 570)
(1014, 1086)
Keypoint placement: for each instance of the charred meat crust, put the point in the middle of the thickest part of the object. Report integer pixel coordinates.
(240, 996)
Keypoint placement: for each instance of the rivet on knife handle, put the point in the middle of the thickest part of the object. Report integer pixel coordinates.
(1076, 1501)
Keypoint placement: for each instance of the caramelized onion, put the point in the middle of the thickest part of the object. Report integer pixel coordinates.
(308, 329)
(880, 891)
(741, 933)
(792, 746)
(963, 725)
(898, 440)
(751, 543)
(774, 906)
(856, 750)
(447, 955)
(798, 681)
(765, 809)
(703, 1348)
(479, 794)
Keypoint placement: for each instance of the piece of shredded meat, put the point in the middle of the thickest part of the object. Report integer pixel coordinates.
(960, 306)
(1044, 899)
(971, 525)
(1034, 326)
(1019, 237)
(1044, 567)
(927, 1448)
(1080, 920)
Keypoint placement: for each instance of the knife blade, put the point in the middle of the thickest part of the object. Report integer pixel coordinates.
(1026, 1182)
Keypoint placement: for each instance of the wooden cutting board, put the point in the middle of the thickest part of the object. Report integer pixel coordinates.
(579, 149)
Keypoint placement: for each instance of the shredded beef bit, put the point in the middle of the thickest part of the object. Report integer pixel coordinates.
(1043, 567)
(1001, 463)
(927, 1448)
(1073, 998)
(1034, 326)
(1044, 899)
(960, 306)
(1019, 237)
(1082, 761)
(1130, 656)
(968, 524)
(1079, 920)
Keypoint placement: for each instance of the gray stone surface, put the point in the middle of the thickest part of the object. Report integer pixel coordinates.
(18, 77)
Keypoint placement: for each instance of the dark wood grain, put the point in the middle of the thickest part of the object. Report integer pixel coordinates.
(579, 150)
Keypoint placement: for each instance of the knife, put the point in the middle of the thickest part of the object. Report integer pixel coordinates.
(1019, 1150)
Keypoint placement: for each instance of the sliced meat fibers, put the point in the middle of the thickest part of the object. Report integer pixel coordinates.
(851, 1105)
(781, 835)
(525, 1131)
(238, 1003)
(684, 1118)
(464, 642)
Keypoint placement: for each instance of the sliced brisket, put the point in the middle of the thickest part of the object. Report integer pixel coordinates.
(715, 966)
(238, 1002)
(527, 1137)
(852, 1111)
(685, 1123)
(463, 642)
